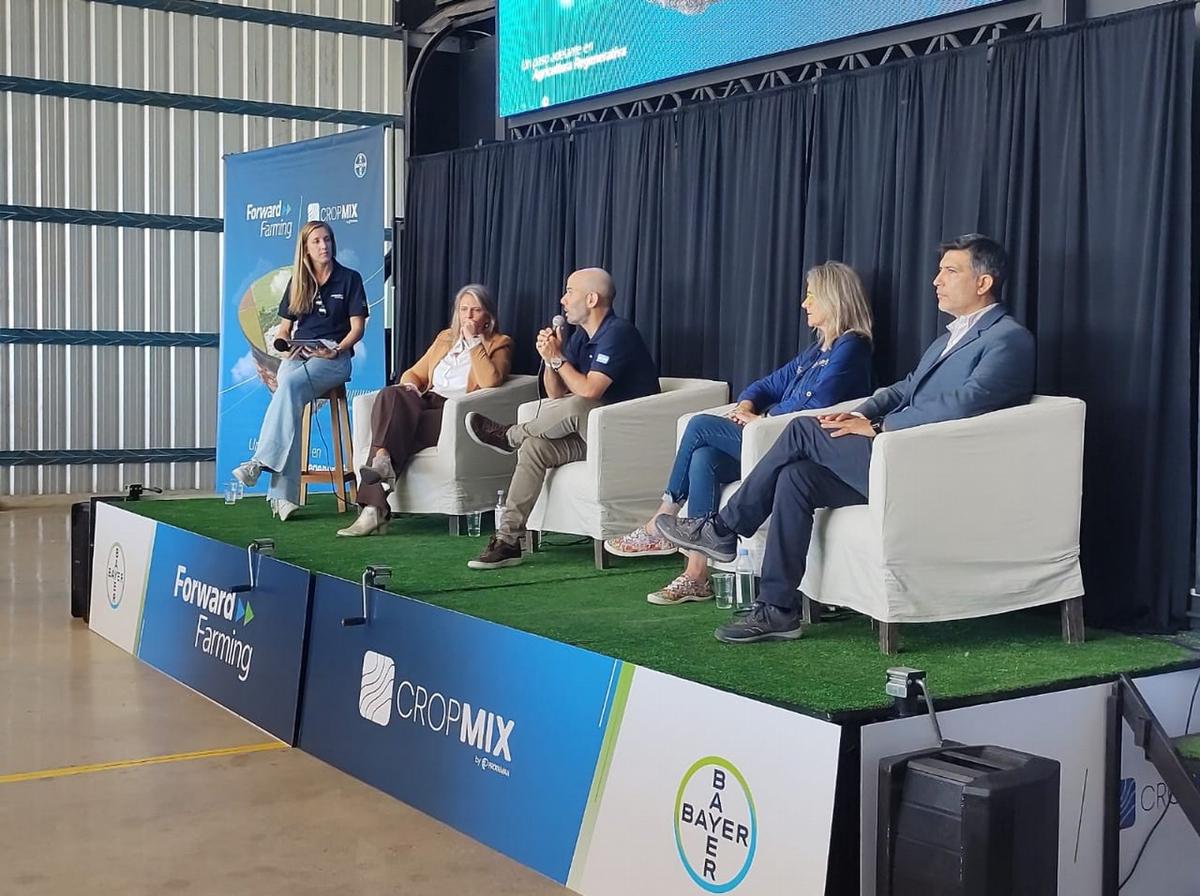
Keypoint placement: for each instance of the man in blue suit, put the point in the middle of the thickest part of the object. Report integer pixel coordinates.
(983, 363)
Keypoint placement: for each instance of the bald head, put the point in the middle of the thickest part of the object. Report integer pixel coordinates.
(595, 280)
(588, 297)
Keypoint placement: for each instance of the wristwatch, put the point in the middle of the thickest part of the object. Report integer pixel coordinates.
(556, 363)
(877, 425)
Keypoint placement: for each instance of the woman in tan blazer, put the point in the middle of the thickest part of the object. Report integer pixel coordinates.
(470, 354)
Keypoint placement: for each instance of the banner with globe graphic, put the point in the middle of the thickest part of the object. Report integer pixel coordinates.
(269, 195)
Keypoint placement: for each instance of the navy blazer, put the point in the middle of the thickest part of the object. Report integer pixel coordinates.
(815, 378)
(992, 367)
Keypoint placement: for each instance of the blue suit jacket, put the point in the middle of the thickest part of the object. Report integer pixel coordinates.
(815, 379)
(992, 367)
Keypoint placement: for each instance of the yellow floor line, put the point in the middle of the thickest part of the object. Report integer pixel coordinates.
(69, 770)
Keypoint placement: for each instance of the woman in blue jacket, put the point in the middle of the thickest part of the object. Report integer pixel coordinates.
(835, 368)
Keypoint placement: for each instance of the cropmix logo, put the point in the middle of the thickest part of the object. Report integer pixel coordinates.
(216, 606)
(271, 218)
(375, 695)
(479, 729)
(344, 212)
(1128, 802)
(114, 575)
(716, 830)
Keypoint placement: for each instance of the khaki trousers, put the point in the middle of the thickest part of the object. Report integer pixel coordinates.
(556, 436)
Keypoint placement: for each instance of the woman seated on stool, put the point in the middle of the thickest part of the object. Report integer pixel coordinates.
(323, 300)
(470, 354)
(837, 367)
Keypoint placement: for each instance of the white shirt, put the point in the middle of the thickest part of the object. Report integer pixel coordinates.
(959, 326)
(450, 374)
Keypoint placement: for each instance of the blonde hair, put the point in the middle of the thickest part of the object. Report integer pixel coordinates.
(484, 297)
(840, 293)
(303, 288)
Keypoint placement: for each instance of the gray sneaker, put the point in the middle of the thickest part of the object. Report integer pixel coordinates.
(697, 534)
(247, 474)
(764, 622)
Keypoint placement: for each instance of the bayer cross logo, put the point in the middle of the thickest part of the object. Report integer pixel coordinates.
(360, 165)
(716, 831)
(114, 575)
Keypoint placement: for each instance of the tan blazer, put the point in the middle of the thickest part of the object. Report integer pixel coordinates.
(491, 361)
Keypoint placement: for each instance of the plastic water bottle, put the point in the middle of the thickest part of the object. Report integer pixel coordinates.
(745, 586)
(499, 509)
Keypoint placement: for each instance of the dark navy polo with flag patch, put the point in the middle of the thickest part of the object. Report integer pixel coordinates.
(618, 351)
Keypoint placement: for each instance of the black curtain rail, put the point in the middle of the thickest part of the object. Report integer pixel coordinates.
(107, 456)
(71, 90)
(1071, 146)
(29, 336)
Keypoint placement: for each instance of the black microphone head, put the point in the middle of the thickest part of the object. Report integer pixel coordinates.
(281, 345)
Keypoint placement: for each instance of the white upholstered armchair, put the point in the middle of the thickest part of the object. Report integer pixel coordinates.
(965, 518)
(630, 448)
(455, 476)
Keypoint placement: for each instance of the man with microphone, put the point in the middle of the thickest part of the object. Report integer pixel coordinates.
(604, 361)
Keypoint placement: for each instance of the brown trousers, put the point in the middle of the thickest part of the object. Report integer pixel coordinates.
(403, 422)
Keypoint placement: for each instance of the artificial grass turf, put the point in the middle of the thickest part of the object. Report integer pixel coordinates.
(835, 668)
(1189, 747)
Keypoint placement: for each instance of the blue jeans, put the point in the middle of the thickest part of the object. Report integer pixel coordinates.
(709, 457)
(298, 383)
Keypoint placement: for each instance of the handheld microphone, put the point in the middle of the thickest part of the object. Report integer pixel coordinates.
(559, 325)
(281, 345)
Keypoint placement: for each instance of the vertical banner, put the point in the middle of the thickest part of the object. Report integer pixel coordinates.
(269, 195)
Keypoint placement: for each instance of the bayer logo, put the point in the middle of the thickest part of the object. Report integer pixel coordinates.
(114, 575)
(360, 165)
(716, 831)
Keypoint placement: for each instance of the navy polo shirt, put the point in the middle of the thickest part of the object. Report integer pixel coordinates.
(618, 352)
(339, 299)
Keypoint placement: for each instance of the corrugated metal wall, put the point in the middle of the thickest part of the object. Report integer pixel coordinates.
(68, 153)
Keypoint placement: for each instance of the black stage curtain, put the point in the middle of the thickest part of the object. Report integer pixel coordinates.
(1072, 146)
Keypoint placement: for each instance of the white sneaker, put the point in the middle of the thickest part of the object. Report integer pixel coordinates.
(247, 474)
(283, 508)
(368, 523)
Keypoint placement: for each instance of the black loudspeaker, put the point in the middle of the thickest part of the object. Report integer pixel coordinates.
(81, 559)
(967, 821)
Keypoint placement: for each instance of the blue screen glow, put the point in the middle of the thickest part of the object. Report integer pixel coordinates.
(559, 51)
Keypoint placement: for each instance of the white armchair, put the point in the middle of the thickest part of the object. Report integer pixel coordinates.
(965, 518)
(455, 476)
(630, 448)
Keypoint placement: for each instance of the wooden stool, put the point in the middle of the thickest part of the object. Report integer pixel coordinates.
(341, 474)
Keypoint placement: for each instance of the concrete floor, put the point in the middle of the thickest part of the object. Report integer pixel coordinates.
(266, 822)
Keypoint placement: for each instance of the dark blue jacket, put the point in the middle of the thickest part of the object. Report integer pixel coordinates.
(815, 378)
(991, 368)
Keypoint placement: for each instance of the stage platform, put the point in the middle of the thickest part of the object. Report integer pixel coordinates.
(835, 672)
(611, 744)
